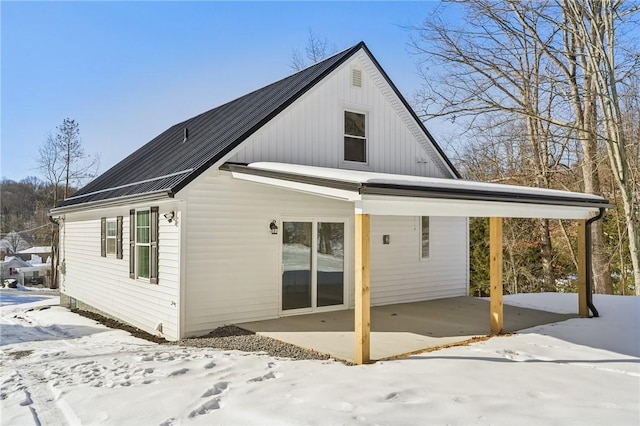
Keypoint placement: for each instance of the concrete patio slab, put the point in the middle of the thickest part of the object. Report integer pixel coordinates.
(401, 328)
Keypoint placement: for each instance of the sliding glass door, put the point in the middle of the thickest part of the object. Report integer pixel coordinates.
(312, 264)
(296, 265)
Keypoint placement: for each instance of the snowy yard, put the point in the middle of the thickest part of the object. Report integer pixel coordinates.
(59, 368)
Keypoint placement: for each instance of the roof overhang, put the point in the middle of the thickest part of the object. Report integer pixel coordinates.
(113, 202)
(402, 195)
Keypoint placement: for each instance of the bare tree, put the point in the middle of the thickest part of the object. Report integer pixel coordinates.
(532, 60)
(14, 242)
(63, 161)
(492, 66)
(317, 49)
(593, 24)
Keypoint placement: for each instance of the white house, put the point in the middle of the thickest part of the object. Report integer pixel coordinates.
(271, 204)
(9, 268)
(35, 255)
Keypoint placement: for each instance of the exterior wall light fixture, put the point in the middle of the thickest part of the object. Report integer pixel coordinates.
(273, 227)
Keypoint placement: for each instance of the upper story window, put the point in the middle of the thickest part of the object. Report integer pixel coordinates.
(355, 137)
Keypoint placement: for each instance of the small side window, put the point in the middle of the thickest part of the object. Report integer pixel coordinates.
(424, 237)
(111, 236)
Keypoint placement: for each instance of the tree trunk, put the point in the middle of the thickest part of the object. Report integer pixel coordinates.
(633, 239)
(600, 259)
(548, 279)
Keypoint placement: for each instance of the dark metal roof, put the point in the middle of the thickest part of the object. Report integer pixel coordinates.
(169, 162)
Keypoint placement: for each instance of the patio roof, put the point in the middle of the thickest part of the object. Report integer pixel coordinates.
(402, 195)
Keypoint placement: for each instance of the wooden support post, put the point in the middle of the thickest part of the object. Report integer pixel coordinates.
(583, 309)
(362, 296)
(495, 274)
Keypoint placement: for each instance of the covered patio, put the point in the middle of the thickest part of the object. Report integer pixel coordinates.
(399, 329)
(384, 194)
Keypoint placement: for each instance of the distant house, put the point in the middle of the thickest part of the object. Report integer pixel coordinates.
(9, 268)
(34, 255)
(286, 201)
(35, 275)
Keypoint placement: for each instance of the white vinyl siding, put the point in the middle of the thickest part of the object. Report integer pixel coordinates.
(228, 230)
(104, 283)
(311, 130)
(399, 275)
(233, 262)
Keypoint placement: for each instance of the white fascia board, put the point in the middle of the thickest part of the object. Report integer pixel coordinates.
(163, 194)
(323, 191)
(409, 206)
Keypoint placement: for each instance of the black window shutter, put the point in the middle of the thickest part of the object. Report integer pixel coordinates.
(132, 243)
(119, 237)
(153, 267)
(103, 236)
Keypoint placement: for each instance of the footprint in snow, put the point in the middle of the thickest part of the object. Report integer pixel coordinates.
(210, 365)
(217, 389)
(178, 372)
(27, 399)
(268, 376)
(208, 406)
(391, 396)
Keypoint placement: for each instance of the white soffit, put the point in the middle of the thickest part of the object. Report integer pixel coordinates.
(403, 195)
(410, 206)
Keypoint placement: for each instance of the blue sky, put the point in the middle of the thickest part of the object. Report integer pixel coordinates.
(126, 71)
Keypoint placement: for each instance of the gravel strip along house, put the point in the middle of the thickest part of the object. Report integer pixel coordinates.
(322, 191)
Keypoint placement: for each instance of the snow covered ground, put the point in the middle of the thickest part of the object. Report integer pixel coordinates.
(59, 368)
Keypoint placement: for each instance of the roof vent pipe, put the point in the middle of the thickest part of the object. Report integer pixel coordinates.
(589, 272)
(186, 135)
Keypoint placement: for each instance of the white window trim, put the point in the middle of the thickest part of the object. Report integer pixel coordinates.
(346, 267)
(367, 138)
(137, 244)
(420, 253)
(114, 238)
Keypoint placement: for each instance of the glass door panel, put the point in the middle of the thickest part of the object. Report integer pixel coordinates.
(296, 265)
(330, 264)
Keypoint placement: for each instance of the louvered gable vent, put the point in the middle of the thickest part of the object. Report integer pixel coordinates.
(356, 77)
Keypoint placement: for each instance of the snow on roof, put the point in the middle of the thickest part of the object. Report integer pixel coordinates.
(363, 177)
(15, 260)
(37, 249)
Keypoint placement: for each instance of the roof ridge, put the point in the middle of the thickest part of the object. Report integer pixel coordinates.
(306, 69)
